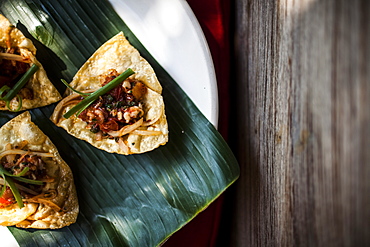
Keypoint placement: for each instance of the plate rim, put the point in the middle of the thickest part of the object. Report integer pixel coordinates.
(211, 112)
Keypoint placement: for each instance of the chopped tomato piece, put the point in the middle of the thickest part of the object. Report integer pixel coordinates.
(7, 198)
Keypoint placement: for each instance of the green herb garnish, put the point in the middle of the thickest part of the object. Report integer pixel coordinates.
(18, 86)
(74, 90)
(14, 190)
(8, 180)
(80, 107)
(3, 189)
(4, 89)
(18, 176)
(12, 92)
(19, 104)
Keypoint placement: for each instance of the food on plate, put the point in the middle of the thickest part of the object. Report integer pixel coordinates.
(36, 185)
(114, 101)
(23, 81)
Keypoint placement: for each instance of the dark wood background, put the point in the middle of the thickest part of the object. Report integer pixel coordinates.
(302, 73)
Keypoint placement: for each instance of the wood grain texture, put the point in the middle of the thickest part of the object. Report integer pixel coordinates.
(303, 124)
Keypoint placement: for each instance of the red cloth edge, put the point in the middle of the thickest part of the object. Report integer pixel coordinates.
(214, 19)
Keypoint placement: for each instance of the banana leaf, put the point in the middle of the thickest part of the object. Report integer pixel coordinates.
(136, 200)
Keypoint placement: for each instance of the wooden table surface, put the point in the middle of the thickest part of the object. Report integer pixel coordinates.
(302, 128)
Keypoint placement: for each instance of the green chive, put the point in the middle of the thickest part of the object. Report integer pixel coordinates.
(19, 104)
(8, 179)
(15, 191)
(5, 172)
(3, 188)
(74, 90)
(17, 177)
(18, 86)
(29, 181)
(3, 89)
(95, 95)
(24, 171)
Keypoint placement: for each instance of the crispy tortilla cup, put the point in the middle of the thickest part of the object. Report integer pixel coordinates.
(38, 91)
(143, 135)
(54, 204)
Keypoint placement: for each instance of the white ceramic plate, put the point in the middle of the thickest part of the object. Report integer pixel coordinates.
(171, 33)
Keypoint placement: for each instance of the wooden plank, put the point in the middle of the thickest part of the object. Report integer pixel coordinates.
(303, 124)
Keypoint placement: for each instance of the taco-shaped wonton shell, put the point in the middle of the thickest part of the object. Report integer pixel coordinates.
(118, 54)
(44, 92)
(41, 214)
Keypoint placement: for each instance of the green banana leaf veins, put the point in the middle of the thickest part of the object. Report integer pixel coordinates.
(136, 200)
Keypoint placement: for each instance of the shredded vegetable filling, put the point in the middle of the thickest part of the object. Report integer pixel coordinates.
(118, 108)
(24, 169)
(12, 68)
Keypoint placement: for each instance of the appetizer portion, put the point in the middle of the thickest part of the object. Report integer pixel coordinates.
(23, 80)
(36, 185)
(114, 101)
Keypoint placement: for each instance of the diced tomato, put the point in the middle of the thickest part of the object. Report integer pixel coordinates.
(7, 198)
(4, 202)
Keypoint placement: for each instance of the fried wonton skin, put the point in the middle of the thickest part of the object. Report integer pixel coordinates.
(38, 91)
(130, 119)
(51, 205)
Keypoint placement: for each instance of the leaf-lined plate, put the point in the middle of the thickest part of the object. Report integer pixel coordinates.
(137, 200)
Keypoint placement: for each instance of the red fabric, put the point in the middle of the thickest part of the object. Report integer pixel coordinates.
(214, 18)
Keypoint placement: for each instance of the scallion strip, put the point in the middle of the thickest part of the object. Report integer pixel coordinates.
(3, 188)
(19, 104)
(74, 90)
(101, 91)
(83, 108)
(18, 86)
(3, 89)
(5, 172)
(17, 177)
(15, 191)
(23, 172)
(8, 180)
(29, 181)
